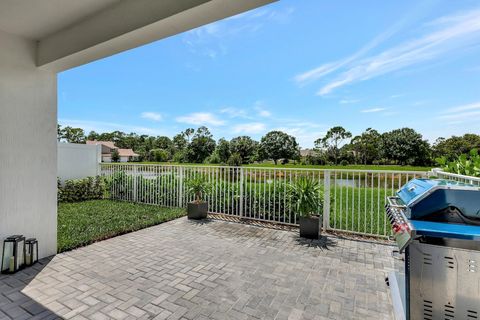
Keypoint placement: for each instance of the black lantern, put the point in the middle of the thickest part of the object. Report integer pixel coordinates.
(31, 251)
(13, 254)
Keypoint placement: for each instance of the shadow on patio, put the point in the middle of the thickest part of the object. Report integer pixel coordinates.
(15, 303)
(209, 270)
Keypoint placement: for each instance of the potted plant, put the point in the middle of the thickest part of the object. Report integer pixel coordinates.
(307, 202)
(198, 208)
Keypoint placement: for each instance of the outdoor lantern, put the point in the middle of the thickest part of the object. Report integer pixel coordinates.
(31, 251)
(13, 254)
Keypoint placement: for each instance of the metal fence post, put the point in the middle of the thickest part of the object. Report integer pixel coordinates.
(326, 200)
(99, 160)
(241, 192)
(180, 188)
(135, 183)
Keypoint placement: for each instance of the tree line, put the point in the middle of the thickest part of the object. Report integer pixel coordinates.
(402, 146)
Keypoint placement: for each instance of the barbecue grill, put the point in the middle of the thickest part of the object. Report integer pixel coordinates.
(437, 224)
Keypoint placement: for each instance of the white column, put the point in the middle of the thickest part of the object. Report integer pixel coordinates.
(28, 145)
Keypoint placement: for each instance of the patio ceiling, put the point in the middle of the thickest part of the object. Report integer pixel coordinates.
(72, 32)
(35, 19)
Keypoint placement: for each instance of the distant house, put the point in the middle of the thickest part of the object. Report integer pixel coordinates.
(125, 155)
(306, 152)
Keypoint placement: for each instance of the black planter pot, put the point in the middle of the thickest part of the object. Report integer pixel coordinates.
(197, 210)
(310, 227)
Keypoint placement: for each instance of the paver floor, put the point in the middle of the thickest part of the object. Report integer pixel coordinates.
(205, 270)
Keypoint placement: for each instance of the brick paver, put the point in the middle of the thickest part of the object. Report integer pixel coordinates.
(205, 270)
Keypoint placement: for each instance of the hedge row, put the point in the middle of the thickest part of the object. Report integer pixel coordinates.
(76, 190)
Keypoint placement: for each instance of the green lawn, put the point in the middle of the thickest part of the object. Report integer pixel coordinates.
(291, 165)
(360, 210)
(82, 223)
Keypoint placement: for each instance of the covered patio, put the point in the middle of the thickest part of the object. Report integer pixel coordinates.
(206, 270)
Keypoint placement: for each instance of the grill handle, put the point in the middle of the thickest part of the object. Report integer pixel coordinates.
(395, 202)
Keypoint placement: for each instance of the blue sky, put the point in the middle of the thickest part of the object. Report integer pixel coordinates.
(301, 66)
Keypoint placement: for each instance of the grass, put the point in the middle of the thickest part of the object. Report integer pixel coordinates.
(360, 210)
(291, 165)
(83, 223)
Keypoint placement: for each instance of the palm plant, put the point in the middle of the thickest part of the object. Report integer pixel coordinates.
(306, 196)
(198, 187)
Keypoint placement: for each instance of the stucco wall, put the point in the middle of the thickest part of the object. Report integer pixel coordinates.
(28, 145)
(77, 161)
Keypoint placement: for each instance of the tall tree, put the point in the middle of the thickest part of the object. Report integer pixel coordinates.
(188, 133)
(244, 146)
(92, 135)
(366, 146)
(455, 146)
(180, 142)
(405, 146)
(59, 132)
(332, 141)
(201, 146)
(223, 150)
(277, 145)
(115, 156)
(73, 135)
(163, 142)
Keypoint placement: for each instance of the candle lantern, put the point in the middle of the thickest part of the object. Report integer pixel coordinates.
(13, 258)
(31, 251)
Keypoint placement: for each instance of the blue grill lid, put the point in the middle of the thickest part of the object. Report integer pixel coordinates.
(415, 188)
(426, 196)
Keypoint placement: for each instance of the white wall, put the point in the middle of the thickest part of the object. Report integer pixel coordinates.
(28, 145)
(77, 161)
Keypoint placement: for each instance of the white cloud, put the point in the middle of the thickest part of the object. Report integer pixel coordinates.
(372, 110)
(264, 113)
(154, 116)
(461, 114)
(348, 101)
(200, 118)
(259, 107)
(101, 126)
(304, 134)
(452, 34)
(467, 107)
(209, 40)
(233, 112)
(462, 117)
(250, 128)
(327, 68)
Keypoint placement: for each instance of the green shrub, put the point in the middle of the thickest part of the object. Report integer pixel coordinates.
(115, 155)
(465, 164)
(235, 160)
(76, 190)
(214, 158)
(159, 155)
(179, 156)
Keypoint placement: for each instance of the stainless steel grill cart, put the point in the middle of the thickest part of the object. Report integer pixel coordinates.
(437, 224)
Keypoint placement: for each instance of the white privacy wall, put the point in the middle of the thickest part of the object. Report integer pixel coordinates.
(76, 161)
(28, 145)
